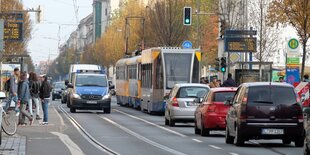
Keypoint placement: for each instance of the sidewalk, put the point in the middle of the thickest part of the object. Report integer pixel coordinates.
(36, 139)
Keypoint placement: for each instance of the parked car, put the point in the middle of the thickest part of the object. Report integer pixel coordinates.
(180, 105)
(57, 90)
(211, 113)
(307, 130)
(265, 111)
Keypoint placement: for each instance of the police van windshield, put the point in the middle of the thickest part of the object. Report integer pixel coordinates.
(91, 80)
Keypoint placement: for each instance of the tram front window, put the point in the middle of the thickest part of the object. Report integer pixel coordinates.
(178, 68)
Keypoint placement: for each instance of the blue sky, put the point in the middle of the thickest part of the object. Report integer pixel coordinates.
(58, 18)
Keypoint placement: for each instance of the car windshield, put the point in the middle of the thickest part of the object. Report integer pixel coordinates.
(192, 92)
(271, 95)
(91, 80)
(177, 68)
(60, 85)
(223, 96)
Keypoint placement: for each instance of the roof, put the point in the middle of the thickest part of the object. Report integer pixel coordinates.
(266, 84)
(220, 89)
(191, 84)
(91, 74)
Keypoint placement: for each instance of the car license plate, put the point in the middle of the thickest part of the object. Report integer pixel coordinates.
(91, 102)
(272, 131)
(191, 104)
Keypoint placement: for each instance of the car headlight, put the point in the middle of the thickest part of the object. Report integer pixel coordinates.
(108, 96)
(76, 96)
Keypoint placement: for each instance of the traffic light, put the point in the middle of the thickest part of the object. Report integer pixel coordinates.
(187, 16)
(223, 64)
(222, 28)
(217, 64)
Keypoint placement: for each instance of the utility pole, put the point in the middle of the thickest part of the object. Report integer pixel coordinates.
(127, 31)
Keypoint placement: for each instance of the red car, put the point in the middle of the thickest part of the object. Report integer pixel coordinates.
(211, 113)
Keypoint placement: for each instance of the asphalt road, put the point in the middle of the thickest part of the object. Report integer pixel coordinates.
(130, 132)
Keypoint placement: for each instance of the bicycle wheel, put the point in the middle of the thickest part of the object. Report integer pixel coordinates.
(9, 123)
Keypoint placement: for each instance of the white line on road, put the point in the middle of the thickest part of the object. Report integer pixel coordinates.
(165, 148)
(150, 123)
(233, 153)
(197, 140)
(73, 148)
(215, 147)
(61, 119)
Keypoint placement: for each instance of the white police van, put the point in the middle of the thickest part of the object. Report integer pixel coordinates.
(90, 90)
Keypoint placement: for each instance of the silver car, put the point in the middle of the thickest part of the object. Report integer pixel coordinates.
(180, 105)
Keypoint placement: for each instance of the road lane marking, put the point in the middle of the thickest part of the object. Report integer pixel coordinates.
(197, 140)
(165, 148)
(215, 147)
(86, 135)
(73, 148)
(233, 153)
(61, 119)
(150, 123)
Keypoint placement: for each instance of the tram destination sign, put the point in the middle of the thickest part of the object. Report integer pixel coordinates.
(13, 31)
(240, 44)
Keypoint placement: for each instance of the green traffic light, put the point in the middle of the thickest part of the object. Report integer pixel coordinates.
(223, 69)
(187, 21)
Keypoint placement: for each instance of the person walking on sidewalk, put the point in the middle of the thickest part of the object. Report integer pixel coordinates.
(12, 88)
(45, 94)
(230, 82)
(34, 85)
(24, 96)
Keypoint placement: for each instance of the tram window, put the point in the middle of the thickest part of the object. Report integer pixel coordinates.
(120, 73)
(147, 76)
(159, 73)
(132, 72)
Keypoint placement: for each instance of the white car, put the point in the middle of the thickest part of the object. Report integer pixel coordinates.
(180, 106)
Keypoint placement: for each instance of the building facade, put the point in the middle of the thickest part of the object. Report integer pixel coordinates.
(101, 17)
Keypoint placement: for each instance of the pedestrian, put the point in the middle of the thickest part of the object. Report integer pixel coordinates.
(214, 83)
(34, 85)
(306, 78)
(230, 82)
(13, 84)
(24, 96)
(45, 94)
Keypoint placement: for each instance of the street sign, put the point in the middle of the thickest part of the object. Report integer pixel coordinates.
(240, 32)
(293, 44)
(1, 34)
(12, 16)
(13, 31)
(234, 57)
(187, 44)
(293, 61)
(292, 74)
(240, 44)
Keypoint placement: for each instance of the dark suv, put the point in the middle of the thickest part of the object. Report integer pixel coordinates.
(265, 111)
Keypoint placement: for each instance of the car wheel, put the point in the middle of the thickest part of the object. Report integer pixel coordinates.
(72, 110)
(299, 142)
(204, 132)
(107, 110)
(239, 141)
(228, 139)
(197, 130)
(286, 141)
(166, 121)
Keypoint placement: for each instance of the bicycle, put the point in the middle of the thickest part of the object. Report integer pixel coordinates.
(9, 120)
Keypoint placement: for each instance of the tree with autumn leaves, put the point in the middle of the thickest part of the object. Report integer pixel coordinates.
(295, 13)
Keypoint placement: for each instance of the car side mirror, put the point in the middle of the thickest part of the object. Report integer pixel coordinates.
(111, 87)
(70, 85)
(228, 103)
(306, 110)
(2, 95)
(198, 100)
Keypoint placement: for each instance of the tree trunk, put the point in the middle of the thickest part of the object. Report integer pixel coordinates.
(304, 52)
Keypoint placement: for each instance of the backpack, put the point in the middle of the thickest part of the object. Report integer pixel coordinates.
(35, 88)
(7, 85)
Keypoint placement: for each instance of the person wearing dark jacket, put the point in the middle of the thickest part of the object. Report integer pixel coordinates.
(229, 82)
(34, 86)
(45, 94)
(23, 93)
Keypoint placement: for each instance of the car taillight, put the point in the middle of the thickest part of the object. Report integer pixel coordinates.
(243, 114)
(211, 108)
(175, 102)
